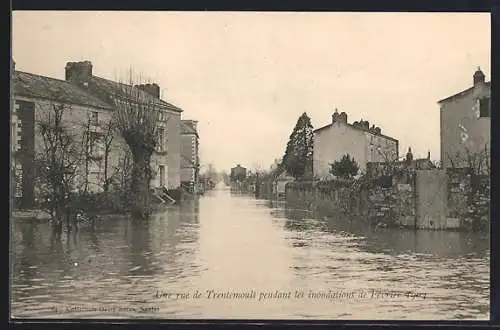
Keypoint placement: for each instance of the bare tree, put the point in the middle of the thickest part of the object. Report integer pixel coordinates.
(479, 162)
(123, 171)
(107, 140)
(57, 165)
(97, 143)
(136, 117)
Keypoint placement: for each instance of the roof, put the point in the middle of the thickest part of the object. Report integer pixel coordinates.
(187, 127)
(462, 93)
(41, 87)
(100, 85)
(357, 128)
(97, 95)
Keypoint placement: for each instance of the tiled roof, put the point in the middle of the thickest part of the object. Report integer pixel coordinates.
(187, 127)
(357, 128)
(462, 93)
(41, 87)
(100, 85)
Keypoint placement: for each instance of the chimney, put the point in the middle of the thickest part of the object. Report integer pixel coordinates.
(409, 156)
(79, 72)
(478, 76)
(343, 117)
(335, 116)
(153, 89)
(428, 155)
(12, 65)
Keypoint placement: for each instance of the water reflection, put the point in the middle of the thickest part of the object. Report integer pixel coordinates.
(234, 242)
(452, 267)
(379, 240)
(107, 264)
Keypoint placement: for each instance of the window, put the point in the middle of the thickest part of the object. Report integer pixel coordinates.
(161, 138)
(161, 174)
(94, 118)
(162, 116)
(96, 145)
(484, 107)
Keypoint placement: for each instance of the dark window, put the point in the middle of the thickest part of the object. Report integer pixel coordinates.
(161, 140)
(94, 119)
(385, 181)
(484, 107)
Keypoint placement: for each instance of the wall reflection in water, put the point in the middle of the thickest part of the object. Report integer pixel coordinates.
(392, 241)
(103, 261)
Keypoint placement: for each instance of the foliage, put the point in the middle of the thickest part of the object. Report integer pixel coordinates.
(346, 167)
(299, 150)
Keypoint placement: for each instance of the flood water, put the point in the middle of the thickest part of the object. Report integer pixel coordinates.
(263, 251)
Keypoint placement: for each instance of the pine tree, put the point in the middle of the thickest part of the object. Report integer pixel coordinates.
(299, 150)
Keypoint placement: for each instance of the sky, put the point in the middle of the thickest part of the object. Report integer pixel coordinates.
(248, 76)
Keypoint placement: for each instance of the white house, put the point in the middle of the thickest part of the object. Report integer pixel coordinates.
(359, 140)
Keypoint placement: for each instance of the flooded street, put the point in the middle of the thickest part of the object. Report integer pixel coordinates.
(248, 258)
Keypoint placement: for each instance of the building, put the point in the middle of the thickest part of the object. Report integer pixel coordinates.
(167, 159)
(359, 140)
(190, 163)
(465, 123)
(377, 169)
(238, 173)
(89, 105)
(34, 97)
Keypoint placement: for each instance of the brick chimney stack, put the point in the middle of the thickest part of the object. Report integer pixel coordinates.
(153, 89)
(478, 76)
(79, 72)
(343, 117)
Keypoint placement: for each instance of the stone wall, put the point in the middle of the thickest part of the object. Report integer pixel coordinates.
(469, 198)
(423, 199)
(459, 187)
(339, 198)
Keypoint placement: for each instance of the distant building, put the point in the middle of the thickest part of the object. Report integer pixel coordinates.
(280, 178)
(465, 120)
(359, 140)
(238, 173)
(376, 169)
(190, 164)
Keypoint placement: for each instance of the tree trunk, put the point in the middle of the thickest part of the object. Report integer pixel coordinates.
(106, 180)
(139, 201)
